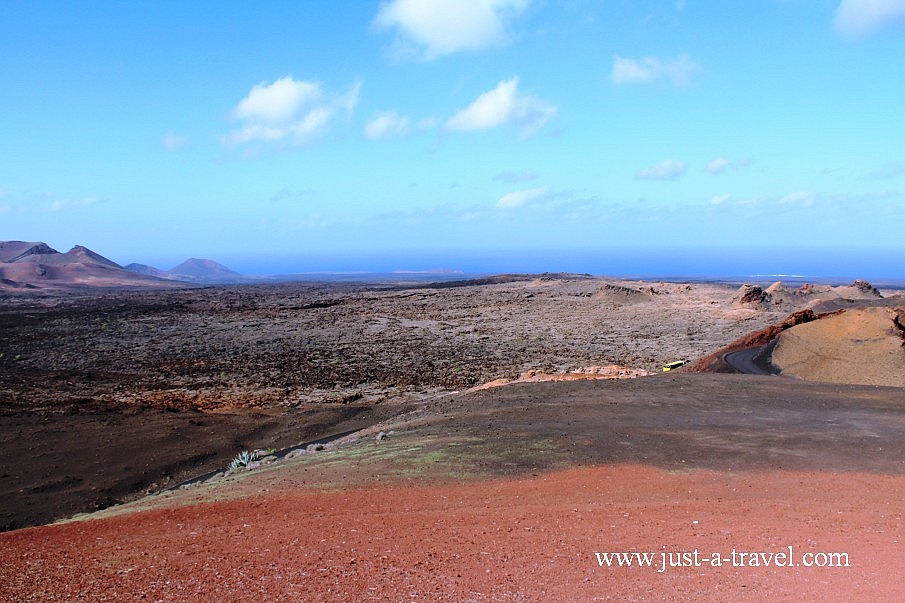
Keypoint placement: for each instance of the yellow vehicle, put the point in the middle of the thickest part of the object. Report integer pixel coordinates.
(673, 365)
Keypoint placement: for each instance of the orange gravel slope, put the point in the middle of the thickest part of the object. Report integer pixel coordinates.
(525, 539)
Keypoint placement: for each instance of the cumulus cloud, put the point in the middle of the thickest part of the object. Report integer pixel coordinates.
(432, 28)
(520, 198)
(678, 71)
(863, 17)
(722, 164)
(287, 110)
(278, 102)
(668, 169)
(388, 124)
(503, 105)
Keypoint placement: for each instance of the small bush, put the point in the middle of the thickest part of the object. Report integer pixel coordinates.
(243, 459)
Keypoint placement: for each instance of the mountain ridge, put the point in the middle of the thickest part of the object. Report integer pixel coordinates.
(36, 266)
(204, 269)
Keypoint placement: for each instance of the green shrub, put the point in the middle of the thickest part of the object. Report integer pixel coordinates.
(243, 459)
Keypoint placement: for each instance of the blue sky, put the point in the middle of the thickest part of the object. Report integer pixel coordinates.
(656, 137)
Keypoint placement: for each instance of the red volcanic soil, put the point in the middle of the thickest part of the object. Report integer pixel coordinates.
(528, 539)
(507, 494)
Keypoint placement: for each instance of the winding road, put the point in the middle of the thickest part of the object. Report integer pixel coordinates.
(748, 361)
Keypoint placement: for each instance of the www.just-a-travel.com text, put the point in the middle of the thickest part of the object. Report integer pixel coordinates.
(665, 560)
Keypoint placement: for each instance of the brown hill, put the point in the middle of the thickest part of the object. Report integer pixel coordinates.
(11, 251)
(861, 346)
(152, 271)
(860, 289)
(207, 271)
(753, 296)
(820, 298)
(76, 255)
(620, 294)
(714, 363)
(37, 266)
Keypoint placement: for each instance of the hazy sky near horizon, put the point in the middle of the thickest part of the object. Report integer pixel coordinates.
(433, 131)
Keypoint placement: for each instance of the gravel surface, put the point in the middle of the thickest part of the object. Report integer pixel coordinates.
(104, 393)
(260, 346)
(500, 494)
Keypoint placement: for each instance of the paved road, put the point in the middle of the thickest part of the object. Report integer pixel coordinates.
(744, 361)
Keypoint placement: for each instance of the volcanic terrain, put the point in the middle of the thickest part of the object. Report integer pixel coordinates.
(389, 471)
(40, 268)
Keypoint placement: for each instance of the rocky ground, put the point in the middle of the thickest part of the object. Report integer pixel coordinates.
(83, 375)
(295, 344)
(435, 488)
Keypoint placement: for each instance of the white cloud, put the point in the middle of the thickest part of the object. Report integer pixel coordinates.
(388, 124)
(287, 110)
(722, 164)
(718, 165)
(433, 28)
(173, 142)
(668, 169)
(799, 198)
(520, 198)
(61, 204)
(863, 17)
(348, 101)
(648, 70)
(720, 199)
(503, 106)
(279, 102)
